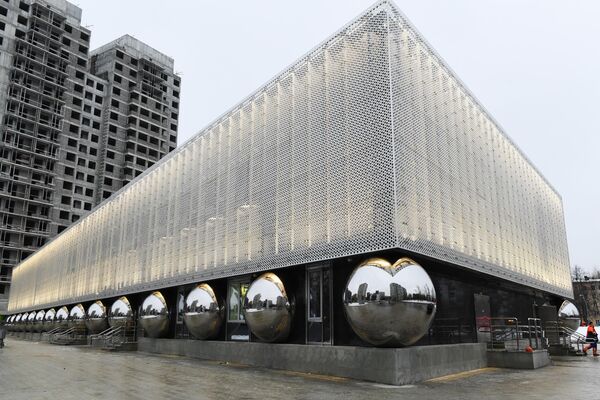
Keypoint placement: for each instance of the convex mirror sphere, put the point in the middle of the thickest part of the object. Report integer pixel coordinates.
(96, 319)
(202, 314)
(154, 315)
(21, 321)
(389, 305)
(267, 309)
(31, 321)
(17, 322)
(49, 322)
(568, 315)
(61, 318)
(120, 313)
(39, 321)
(77, 317)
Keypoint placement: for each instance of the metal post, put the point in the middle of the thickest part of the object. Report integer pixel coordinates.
(517, 328)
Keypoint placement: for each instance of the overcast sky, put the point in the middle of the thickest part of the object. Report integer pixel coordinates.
(533, 64)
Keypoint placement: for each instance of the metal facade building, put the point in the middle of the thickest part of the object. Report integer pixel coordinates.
(368, 142)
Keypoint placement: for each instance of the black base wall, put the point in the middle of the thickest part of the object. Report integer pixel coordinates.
(455, 287)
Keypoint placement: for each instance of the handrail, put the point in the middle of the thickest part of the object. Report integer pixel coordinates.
(504, 330)
(55, 330)
(116, 331)
(104, 335)
(537, 327)
(568, 337)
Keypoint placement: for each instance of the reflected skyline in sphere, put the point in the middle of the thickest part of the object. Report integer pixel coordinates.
(389, 305)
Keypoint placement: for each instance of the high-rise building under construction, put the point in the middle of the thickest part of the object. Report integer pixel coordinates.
(75, 125)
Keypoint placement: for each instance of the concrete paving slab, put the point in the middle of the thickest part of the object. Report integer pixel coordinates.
(35, 370)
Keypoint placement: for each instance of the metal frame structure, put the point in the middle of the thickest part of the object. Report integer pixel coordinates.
(368, 142)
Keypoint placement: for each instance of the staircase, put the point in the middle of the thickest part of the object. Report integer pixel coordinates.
(563, 340)
(118, 338)
(69, 336)
(46, 335)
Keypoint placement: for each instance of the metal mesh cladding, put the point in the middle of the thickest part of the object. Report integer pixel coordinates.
(366, 143)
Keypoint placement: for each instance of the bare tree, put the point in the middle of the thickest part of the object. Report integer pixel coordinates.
(577, 273)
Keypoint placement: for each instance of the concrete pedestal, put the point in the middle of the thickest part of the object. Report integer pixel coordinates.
(32, 336)
(391, 366)
(518, 360)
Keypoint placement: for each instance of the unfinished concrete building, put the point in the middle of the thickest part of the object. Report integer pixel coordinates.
(72, 131)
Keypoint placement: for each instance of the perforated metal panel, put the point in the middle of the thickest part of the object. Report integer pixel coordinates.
(465, 193)
(367, 143)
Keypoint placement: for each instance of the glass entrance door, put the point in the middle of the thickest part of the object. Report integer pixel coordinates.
(318, 295)
(236, 324)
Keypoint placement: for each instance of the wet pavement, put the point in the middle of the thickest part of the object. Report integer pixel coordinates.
(32, 370)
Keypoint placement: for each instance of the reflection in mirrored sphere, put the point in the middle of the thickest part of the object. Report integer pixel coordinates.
(120, 313)
(17, 325)
(96, 318)
(23, 322)
(49, 320)
(61, 318)
(267, 309)
(390, 305)
(77, 317)
(154, 315)
(568, 315)
(39, 321)
(202, 314)
(31, 321)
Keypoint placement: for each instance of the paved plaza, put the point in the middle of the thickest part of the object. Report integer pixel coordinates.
(31, 370)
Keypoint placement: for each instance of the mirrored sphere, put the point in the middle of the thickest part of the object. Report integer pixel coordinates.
(9, 323)
(23, 322)
(267, 309)
(17, 323)
(96, 319)
(31, 321)
(49, 320)
(77, 317)
(61, 318)
(39, 321)
(389, 305)
(154, 315)
(120, 313)
(202, 314)
(568, 315)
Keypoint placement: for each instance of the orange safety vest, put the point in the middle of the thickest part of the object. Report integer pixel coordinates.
(591, 329)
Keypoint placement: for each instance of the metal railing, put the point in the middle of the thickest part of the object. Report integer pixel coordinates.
(61, 335)
(114, 337)
(46, 335)
(104, 337)
(450, 330)
(564, 336)
(507, 333)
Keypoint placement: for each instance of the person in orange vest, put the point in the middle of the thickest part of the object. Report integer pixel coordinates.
(591, 338)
